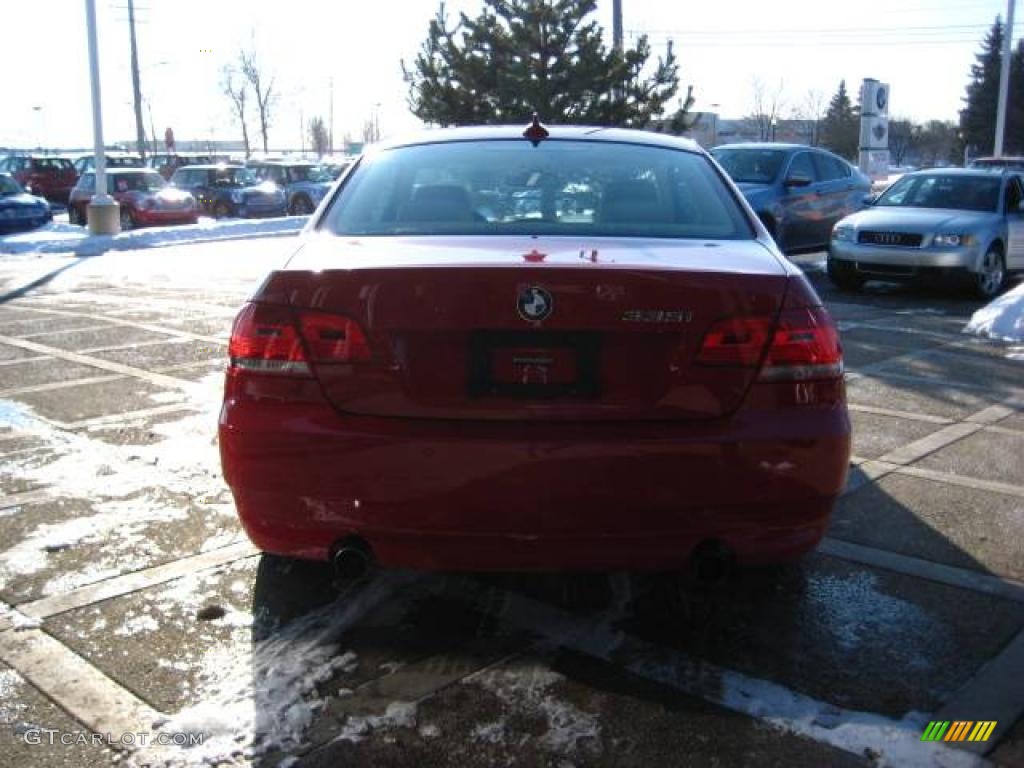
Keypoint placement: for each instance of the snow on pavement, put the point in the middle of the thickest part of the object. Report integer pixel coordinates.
(66, 238)
(1002, 318)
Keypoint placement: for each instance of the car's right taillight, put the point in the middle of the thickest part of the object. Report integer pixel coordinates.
(804, 346)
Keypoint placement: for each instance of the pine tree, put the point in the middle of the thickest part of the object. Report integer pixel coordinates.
(978, 117)
(840, 130)
(546, 56)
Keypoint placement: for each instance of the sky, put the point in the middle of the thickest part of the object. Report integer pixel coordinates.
(922, 48)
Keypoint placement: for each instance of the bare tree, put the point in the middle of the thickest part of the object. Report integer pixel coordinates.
(263, 89)
(810, 112)
(318, 136)
(904, 138)
(768, 104)
(238, 92)
(371, 130)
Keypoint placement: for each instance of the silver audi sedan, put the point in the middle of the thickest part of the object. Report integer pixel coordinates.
(967, 223)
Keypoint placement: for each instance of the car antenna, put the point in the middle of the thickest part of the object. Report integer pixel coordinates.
(535, 132)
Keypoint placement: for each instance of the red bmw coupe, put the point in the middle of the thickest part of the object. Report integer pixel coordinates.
(554, 349)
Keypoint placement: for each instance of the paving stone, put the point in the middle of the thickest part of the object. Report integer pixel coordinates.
(583, 712)
(25, 714)
(875, 435)
(843, 633)
(957, 526)
(58, 545)
(985, 455)
(104, 337)
(155, 356)
(36, 372)
(89, 401)
(932, 398)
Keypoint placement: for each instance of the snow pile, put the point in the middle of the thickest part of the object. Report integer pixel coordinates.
(1002, 318)
(264, 700)
(65, 238)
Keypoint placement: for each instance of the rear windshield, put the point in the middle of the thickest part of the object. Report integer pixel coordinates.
(308, 173)
(124, 162)
(51, 164)
(962, 193)
(558, 188)
(137, 182)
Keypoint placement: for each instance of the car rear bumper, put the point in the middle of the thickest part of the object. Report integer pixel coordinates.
(874, 259)
(261, 212)
(485, 496)
(152, 217)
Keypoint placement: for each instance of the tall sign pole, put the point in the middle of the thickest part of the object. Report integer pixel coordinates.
(103, 209)
(1004, 79)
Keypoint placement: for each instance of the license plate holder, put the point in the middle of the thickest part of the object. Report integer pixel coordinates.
(533, 365)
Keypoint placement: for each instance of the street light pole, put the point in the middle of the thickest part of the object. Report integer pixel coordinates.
(103, 209)
(1004, 79)
(140, 130)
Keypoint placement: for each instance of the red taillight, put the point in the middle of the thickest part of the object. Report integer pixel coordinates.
(265, 339)
(736, 341)
(333, 338)
(803, 344)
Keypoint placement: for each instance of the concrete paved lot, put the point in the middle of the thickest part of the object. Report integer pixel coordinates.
(132, 605)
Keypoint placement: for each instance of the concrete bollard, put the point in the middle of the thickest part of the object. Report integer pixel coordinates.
(104, 216)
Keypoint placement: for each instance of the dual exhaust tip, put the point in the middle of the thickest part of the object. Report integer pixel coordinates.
(712, 562)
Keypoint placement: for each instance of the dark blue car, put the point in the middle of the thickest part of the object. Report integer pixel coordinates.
(20, 211)
(799, 192)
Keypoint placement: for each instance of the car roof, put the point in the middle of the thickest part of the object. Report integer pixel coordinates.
(211, 166)
(979, 172)
(555, 132)
(769, 145)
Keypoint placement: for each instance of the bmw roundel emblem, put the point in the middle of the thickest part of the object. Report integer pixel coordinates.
(534, 304)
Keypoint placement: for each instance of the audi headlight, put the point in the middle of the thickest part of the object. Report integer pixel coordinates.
(953, 241)
(237, 197)
(844, 233)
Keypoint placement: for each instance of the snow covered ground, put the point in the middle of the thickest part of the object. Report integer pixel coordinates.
(58, 237)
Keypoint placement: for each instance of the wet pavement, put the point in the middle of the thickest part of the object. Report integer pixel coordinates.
(132, 606)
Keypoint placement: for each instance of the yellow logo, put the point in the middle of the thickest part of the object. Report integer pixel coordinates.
(958, 730)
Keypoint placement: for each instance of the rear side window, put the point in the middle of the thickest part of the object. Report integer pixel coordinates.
(558, 187)
(802, 165)
(830, 168)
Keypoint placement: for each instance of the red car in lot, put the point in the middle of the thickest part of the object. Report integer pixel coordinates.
(504, 350)
(43, 175)
(144, 197)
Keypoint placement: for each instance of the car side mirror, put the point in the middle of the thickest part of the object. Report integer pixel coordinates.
(798, 180)
(869, 200)
(28, 188)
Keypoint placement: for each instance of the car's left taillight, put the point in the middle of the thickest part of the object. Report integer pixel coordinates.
(273, 348)
(278, 340)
